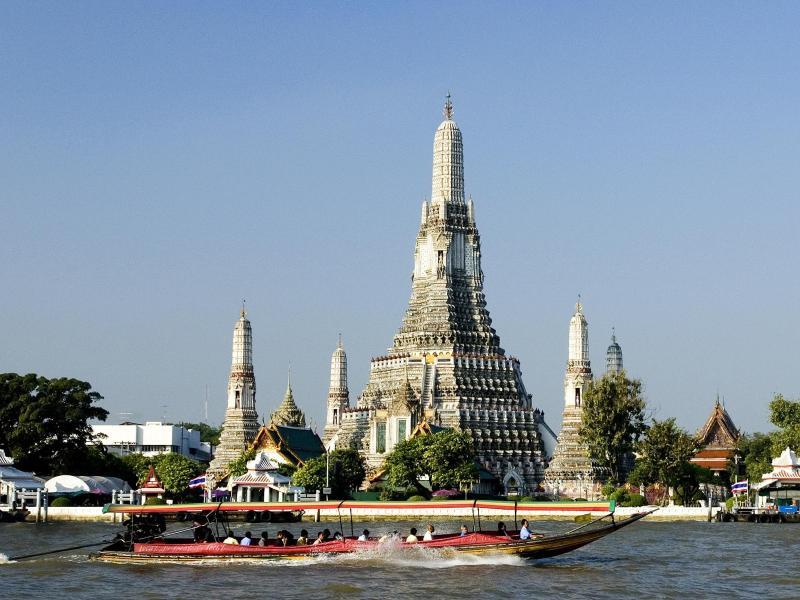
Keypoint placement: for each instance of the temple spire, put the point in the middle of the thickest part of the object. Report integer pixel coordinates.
(614, 354)
(448, 162)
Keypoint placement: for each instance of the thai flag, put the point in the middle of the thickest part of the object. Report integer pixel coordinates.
(740, 487)
(197, 482)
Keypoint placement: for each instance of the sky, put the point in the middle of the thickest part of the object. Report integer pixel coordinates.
(161, 161)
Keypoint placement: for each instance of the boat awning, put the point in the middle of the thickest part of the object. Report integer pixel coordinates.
(526, 508)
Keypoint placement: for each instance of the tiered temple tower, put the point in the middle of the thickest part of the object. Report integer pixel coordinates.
(446, 365)
(287, 412)
(614, 355)
(571, 472)
(241, 421)
(338, 393)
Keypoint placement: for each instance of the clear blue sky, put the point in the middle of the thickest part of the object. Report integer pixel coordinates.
(161, 161)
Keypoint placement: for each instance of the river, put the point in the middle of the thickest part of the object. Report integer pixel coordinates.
(646, 560)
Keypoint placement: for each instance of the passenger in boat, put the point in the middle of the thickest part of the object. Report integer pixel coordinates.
(200, 532)
(464, 531)
(320, 539)
(385, 537)
(327, 535)
(231, 539)
(288, 538)
(524, 532)
(501, 530)
(364, 536)
(247, 540)
(412, 536)
(264, 539)
(303, 539)
(428, 537)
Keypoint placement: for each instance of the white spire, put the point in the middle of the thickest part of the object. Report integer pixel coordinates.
(578, 336)
(448, 160)
(242, 355)
(241, 382)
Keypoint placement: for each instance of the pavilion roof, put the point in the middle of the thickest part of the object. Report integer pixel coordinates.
(718, 430)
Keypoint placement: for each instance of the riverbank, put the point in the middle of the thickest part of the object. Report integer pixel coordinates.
(416, 511)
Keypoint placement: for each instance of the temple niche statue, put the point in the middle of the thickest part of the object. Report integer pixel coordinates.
(445, 365)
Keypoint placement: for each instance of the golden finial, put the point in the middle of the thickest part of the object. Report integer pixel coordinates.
(243, 312)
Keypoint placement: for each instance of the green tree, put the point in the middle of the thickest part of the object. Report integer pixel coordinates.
(755, 451)
(139, 465)
(784, 414)
(174, 471)
(663, 457)
(347, 472)
(613, 420)
(207, 432)
(405, 464)
(446, 458)
(450, 459)
(238, 466)
(44, 423)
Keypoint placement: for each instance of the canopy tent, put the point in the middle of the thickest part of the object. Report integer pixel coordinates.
(12, 478)
(82, 484)
(67, 484)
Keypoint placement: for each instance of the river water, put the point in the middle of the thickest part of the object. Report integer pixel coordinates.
(646, 560)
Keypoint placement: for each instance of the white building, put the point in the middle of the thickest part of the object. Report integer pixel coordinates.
(152, 438)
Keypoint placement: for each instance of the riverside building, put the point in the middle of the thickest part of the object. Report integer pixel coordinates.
(445, 365)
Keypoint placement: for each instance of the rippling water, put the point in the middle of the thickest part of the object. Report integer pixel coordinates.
(648, 559)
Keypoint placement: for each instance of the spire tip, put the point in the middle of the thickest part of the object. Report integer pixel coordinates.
(448, 108)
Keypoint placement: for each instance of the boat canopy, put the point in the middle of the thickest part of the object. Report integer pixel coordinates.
(526, 508)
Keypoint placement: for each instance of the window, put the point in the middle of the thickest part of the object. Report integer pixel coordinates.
(380, 437)
(401, 430)
(238, 399)
(577, 396)
(335, 416)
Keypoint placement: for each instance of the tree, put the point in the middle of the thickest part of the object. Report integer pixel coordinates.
(238, 466)
(450, 459)
(784, 414)
(755, 451)
(44, 423)
(174, 470)
(612, 421)
(207, 432)
(446, 458)
(347, 472)
(663, 457)
(405, 465)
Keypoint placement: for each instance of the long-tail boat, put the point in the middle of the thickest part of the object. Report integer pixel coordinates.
(147, 540)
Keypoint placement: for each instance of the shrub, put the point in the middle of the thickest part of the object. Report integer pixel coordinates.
(729, 504)
(389, 494)
(61, 501)
(418, 499)
(634, 500)
(528, 499)
(440, 498)
(621, 496)
(608, 489)
(155, 500)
